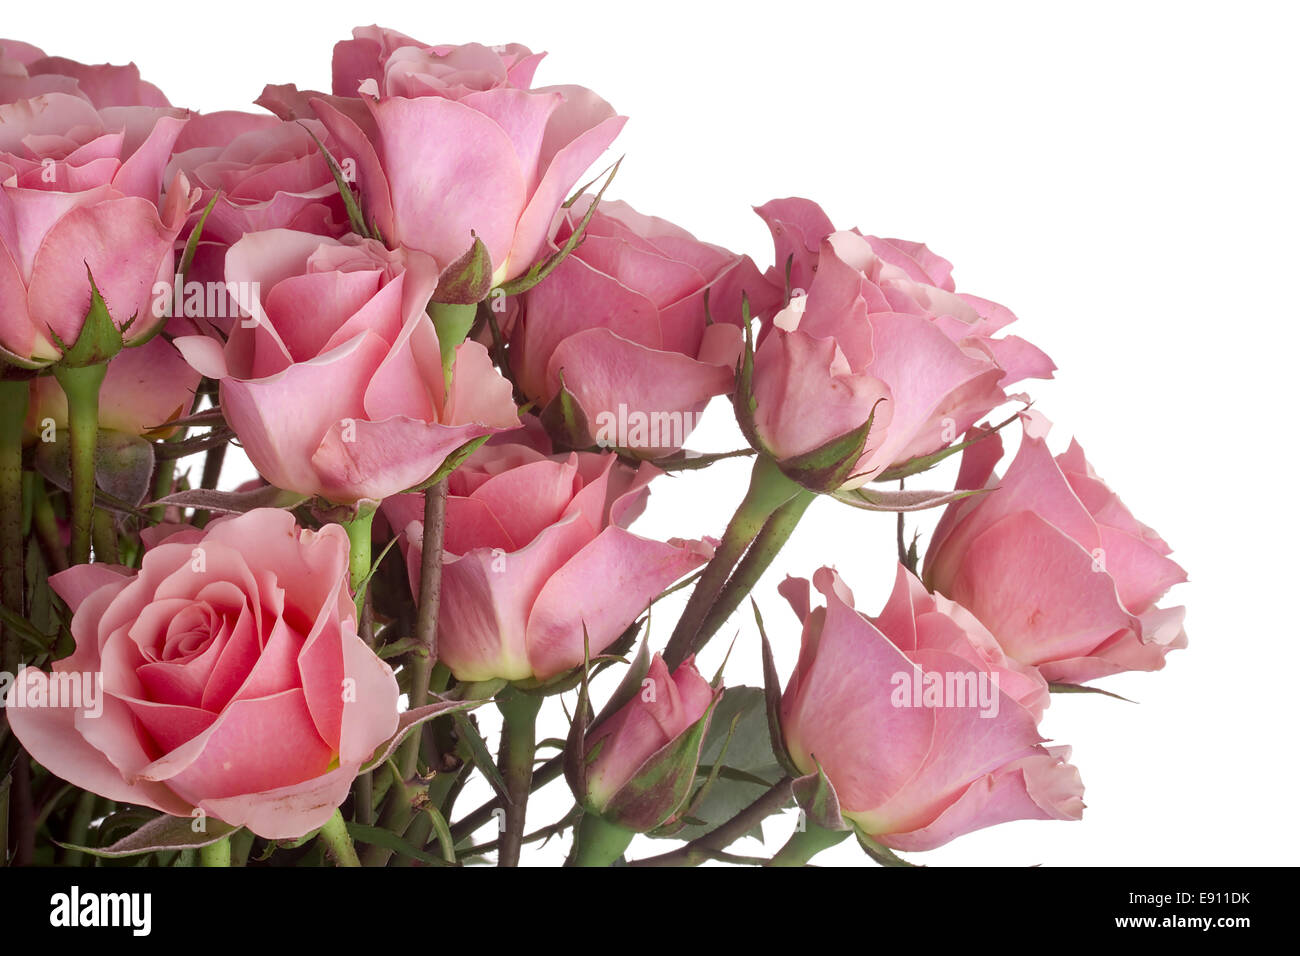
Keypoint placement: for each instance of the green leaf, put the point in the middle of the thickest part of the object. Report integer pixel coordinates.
(686, 460)
(403, 645)
(443, 832)
(232, 502)
(355, 219)
(874, 500)
(481, 756)
(576, 758)
(914, 466)
(713, 773)
(744, 402)
(772, 700)
(21, 626)
(123, 467)
(128, 820)
(450, 463)
(392, 842)
(162, 833)
(630, 685)
(374, 566)
(748, 771)
(878, 851)
(541, 270)
(173, 450)
(411, 719)
(1056, 687)
(565, 421)
(192, 245)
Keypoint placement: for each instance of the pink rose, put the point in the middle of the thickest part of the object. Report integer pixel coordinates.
(536, 549)
(878, 328)
(79, 188)
(906, 277)
(270, 174)
(922, 726)
(382, 62)
(449, 147)
(267, 174)
(144, 389)
(378, 62)
(636, 736)
(622, 320)
(230, 674)
(1054, 564)
(25, 71)
(335, 385)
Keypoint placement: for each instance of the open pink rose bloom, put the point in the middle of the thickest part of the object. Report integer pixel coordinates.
(219, 638)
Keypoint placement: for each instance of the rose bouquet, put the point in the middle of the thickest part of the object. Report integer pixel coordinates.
(459, 370)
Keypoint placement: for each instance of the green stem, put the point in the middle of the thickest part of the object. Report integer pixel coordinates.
(79, 826)
(363, 799)
(597, 842)
(81, 386)
(426, 620)
(337, 842)
(215, 854)
(358, 530)
(46, 525)
(395, 818)
(103, 534)
(13, 415)
(241, 842)
(804, 844)
(515, 760)
(755, 563)
(769, 489)
(482, 815)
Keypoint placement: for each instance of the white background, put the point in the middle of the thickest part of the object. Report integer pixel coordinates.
(1122, 176)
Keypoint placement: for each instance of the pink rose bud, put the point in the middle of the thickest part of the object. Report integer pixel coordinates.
(537, 550)
(641, 760)
(82, 190)
(452, 143)
(1054, 564)
(923, 727)
(332, 378)
(878, 334)
(225, 676)
(622, 323)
